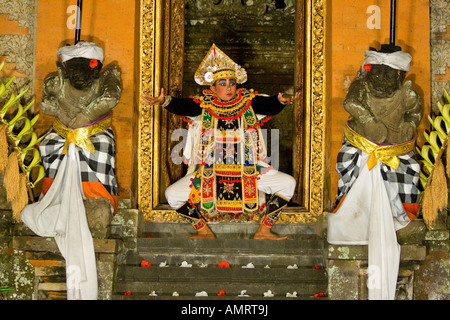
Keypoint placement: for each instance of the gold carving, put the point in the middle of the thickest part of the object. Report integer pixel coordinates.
(162, 40)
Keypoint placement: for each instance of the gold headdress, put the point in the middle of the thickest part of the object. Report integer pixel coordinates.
(217, 65)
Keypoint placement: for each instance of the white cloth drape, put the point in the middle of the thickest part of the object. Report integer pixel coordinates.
(61, 214)
(397, 60)
(367, 217)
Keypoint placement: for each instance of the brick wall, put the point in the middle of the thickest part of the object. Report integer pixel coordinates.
(440, 51)
(17, 39)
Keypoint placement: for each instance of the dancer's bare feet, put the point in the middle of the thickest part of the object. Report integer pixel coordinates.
(204, 233)
(265, 232)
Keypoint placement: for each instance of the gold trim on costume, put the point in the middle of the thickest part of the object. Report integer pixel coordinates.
(80, 136)
(387, 154)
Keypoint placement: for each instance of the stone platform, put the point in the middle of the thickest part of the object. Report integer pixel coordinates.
(265, 269)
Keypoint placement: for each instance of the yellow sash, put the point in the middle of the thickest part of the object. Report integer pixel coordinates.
(80, 136)
(386, 154)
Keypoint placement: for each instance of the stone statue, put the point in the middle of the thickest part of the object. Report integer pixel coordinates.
(80, 94)
(378, 172)
(383, 108)
(78, 154)
(81, 97)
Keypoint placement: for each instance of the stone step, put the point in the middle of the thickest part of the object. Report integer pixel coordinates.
(189, 281)
(237, 252)
(197, 259)
(215, 297)
(255, 290)
(228, 230)
(304, 253)
(214, 274)
(290, 268)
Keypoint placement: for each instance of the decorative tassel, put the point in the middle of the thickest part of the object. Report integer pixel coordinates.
(3, 148)
(447, 157)
(16, 188)
(435, 197)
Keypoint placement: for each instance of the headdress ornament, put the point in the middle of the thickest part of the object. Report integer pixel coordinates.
(217, 65)
(82, 49)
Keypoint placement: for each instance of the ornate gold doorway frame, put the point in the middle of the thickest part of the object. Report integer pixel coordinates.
(160, 65)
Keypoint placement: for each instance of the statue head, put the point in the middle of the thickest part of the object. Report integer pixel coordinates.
(385, 69)
(81, 63)
(384, 80)
(81, 72)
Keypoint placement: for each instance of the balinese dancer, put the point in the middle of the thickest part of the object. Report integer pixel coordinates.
(225, 150)
(378, 172)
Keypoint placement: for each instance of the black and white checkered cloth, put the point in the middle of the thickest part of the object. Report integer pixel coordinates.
(95, 167)
(404, 180)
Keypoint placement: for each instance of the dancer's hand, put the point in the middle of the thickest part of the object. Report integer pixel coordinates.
(288, 99)
(150, 100)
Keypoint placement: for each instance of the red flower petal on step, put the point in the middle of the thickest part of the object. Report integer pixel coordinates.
(128, 293)
(145, 263)
(316, 266)
(221, 293)
(223, 264)
(319, 295)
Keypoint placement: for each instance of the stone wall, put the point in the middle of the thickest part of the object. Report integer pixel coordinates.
(440, 51)
(34, 269)
(17, 43)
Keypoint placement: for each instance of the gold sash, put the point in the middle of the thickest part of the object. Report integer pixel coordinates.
(80, 136)
(386, 154)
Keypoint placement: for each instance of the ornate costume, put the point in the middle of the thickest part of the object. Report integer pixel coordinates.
(228, 163)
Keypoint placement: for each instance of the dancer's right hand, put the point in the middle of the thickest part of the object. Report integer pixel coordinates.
(150, 100)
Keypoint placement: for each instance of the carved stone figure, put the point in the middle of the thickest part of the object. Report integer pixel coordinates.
(383, 108)
(80, 94)
(378, 172)
(78, 154)
(81, 98)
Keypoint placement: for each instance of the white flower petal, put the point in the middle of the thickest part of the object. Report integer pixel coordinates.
(201, 294)
(268, 293)
(163, 264)
(291, 295)
(243, 294)
(184, 264)
(249, 266)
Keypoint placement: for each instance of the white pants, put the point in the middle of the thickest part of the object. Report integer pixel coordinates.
(270, 182)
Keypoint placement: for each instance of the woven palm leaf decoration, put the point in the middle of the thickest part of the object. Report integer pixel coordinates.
(435, 160)
(20, 160)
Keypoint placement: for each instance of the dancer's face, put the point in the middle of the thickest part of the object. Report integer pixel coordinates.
(224, 89)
